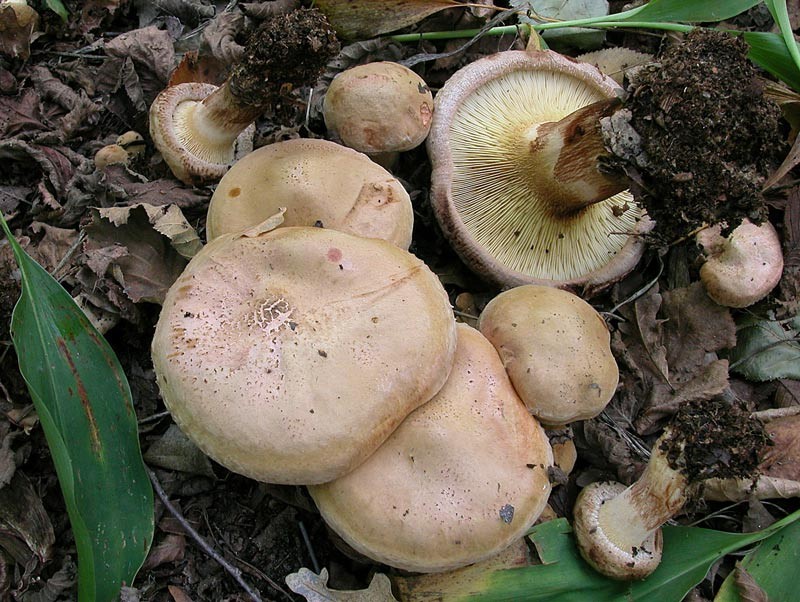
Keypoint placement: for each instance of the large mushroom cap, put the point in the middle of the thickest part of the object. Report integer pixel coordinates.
(556, 349)
(318, 183)
(494, 196)
(379, 107)
(290, 356)
(459, 480)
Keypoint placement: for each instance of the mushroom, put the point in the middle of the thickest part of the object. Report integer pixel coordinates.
(556, 349)
(318, 183)
(133, 143)
(618, 528)
(461, 479)
(195, 125)
(289, 356)
(378, 108)
(742, 268)
(111, 154)
(514, 147)
(19, 24)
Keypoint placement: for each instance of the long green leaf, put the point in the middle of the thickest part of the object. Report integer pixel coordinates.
(769, 51)
(84, 403)
(773, 565)
(564, 576)
(765, 350)
(780, 13)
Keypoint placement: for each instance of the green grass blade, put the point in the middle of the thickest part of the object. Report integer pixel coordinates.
(773, 565)
(780, 13)
(565, 576)
(58, 8)
(769, 51)
(84, 403)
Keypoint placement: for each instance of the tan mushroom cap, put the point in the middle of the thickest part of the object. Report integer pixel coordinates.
(743, 268)
(378, 107)
(495, 183)
(317, 182)
(290, 356)
(556, 349)
(461, 479)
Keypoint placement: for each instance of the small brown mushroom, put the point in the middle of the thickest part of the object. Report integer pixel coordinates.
(133, 143)
(111, 154)
(318, 183)
(461, 479)
(195, 126)
(556, 349)
(743, 268)
(514, 147)
(289, 356)
(378, 108)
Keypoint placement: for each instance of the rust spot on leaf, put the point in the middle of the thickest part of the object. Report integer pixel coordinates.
(94, 432)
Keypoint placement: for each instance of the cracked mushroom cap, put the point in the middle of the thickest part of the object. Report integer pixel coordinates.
(556, 349)
(492, 187)
(743, 268)
(461, 479)
(290, 356)
(378, 108)
(318, 183)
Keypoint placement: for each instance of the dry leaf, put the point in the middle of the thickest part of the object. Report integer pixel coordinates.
(314, 588)
(178, 595)
(174, 451)
(202, 69)
(171, 549)
(749, 590)
(25, 528)
(354, 19)
(17, 30)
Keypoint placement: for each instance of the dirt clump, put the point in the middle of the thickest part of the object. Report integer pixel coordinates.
(708, 133)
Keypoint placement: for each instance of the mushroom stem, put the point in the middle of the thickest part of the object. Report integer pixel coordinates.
(220, 117)
(563, 159)
(633, 516)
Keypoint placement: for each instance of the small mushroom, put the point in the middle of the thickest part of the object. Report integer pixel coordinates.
(111, 154)
(514, 147)
(318, 183)
(19, 24)
(289, 356)
(618, 528)
(378, 108)
(195, 125)
(556, 349)
(462, 478)
(743, 268)
(133, 143)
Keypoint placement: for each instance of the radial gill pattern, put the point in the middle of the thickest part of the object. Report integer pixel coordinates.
(490, 183)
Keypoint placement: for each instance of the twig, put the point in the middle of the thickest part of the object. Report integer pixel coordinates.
(232, 570)
(310, 548)
(154, 417)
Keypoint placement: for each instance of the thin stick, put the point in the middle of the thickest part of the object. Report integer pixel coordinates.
(232, 570)
(309, 547)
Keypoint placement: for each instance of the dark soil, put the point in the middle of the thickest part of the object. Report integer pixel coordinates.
(709, 135)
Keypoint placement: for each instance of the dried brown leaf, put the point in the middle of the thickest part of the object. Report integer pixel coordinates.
(749, 590)
(53, 247)
(314, 588)
(20, 114)
(174, 451)
(95, 12)
(16, 34)
(194, 68)
(354, 19)
(219, 37)
(148, 47)
(150, 264)
(178, 595)
(170, 549)
(25, 527)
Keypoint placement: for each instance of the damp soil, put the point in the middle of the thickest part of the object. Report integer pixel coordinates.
(715, 439)
(709, 136)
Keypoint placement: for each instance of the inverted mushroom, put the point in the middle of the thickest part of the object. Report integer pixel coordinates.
(195, 125)
(318, 183)
(742, 268)
(515, 183)
(556, 349)
(461, 478)
(290, 356)
(618, 528)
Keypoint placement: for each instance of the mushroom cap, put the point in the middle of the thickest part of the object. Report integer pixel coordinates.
(132, 142)
(461, 478)
(111, 154)
(290, 356)
(598, 550)
(742, 268)
(317, 182)
(485, 196)
(378, 107)
(194, 151)
(556, 349)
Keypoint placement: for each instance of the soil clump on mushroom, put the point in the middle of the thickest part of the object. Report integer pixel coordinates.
(715, 439)
(708, 133)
